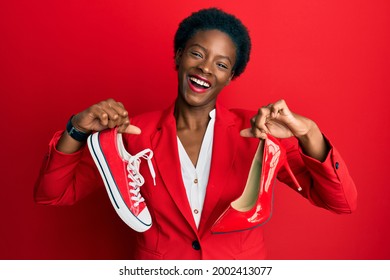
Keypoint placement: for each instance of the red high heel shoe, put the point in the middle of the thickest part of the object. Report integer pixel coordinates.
(253, 208)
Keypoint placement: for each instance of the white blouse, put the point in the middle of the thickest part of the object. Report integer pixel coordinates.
(196, 178)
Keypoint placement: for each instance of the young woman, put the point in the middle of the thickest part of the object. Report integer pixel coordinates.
(202, 151)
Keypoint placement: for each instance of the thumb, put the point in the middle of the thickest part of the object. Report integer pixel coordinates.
(247, 132)
(132, 129)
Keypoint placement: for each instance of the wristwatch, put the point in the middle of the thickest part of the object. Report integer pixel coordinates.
(75, 133)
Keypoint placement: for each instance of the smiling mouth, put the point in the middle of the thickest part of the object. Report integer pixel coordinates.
(199, 83)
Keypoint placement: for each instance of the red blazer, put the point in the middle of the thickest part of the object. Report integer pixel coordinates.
(65, 179)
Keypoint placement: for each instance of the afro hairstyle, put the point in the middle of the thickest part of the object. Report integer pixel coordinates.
(214, 18)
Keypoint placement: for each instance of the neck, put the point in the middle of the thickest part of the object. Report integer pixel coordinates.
(193, 118)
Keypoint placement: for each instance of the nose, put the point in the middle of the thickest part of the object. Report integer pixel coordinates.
(205, 66)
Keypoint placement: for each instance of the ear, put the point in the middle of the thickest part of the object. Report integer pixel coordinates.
(178, 56)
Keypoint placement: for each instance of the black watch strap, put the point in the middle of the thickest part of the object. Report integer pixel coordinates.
(74, 133)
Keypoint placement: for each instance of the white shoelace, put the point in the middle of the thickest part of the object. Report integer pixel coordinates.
(136, 178)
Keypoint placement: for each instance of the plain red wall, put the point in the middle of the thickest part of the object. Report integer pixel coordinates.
(329, 59)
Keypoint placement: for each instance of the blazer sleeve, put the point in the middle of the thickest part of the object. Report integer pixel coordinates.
(326, 184)
(65, 178)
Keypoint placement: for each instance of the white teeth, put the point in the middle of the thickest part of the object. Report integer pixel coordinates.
(200, 82)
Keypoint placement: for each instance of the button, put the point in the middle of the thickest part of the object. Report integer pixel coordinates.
(337, 165)
(196, 211)
(195, 181)
(196, 245)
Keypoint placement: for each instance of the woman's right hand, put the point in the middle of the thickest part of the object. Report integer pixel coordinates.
(105, 114)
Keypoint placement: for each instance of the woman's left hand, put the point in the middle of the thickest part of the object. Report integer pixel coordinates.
(277, 119)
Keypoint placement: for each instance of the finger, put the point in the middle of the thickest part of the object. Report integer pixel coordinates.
(120, 104)
(114, 113)
(132, 129)
(110, 108)
(259, 133)
(119, 108)
(279, 107)
(247, 132)
(97, 112)
(112, 123)
(255, 131)
(274, 112)
(260, 120)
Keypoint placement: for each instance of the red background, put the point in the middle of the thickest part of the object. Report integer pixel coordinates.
(328, 59)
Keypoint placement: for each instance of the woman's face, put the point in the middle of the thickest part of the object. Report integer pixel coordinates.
(205, 67)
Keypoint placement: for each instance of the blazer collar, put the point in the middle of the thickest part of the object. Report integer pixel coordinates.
(164, 145)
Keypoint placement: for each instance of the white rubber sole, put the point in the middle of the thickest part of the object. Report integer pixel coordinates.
(139, 223)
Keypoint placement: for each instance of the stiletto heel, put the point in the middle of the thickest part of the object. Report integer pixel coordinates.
(287, 166)
(253, 208)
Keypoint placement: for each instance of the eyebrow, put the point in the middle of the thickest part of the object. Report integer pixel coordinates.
(221, 56)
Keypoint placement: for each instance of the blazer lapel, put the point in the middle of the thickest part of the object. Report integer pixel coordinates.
(164, 145)
(224, 151)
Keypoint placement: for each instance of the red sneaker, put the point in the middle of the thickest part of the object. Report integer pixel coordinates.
(121, 177)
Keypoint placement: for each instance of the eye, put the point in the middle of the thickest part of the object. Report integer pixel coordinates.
(196, 54)
(222, 65)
